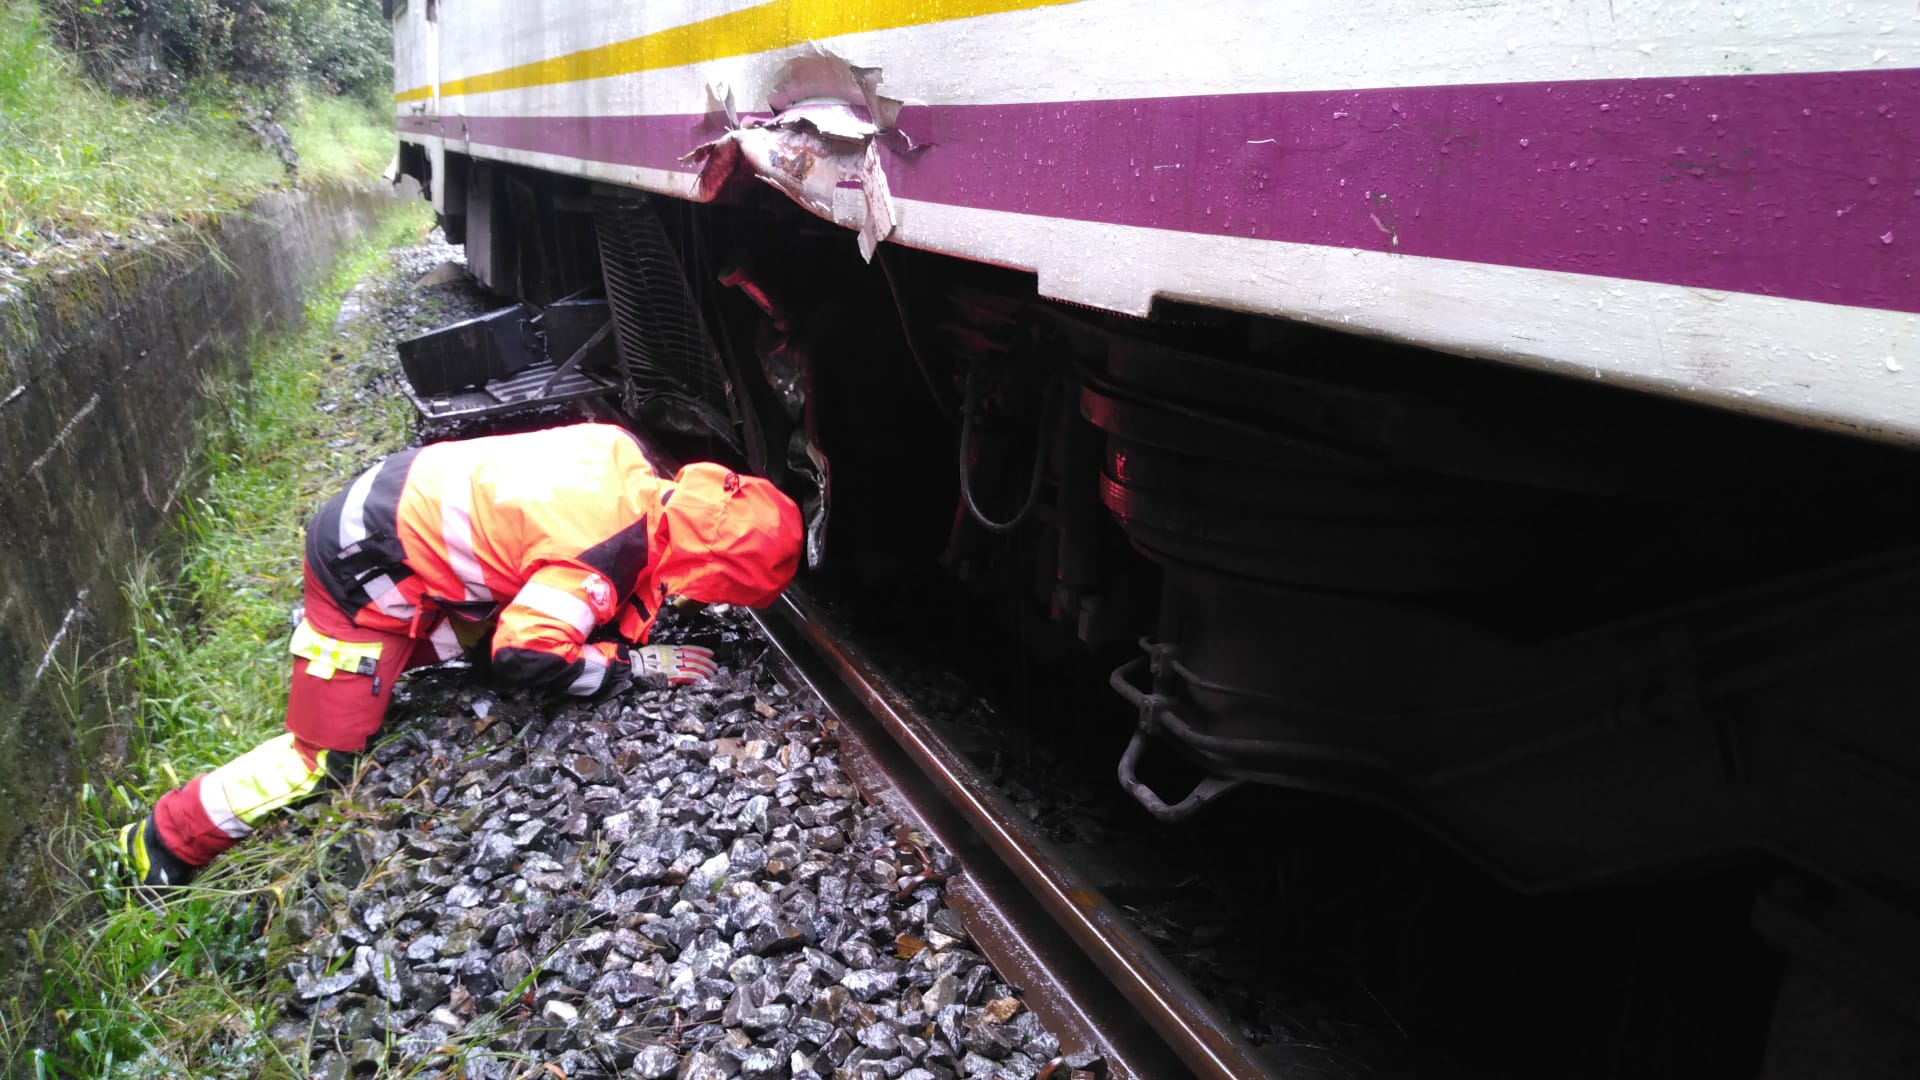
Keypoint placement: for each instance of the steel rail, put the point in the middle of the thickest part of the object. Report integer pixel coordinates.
(1100, 977)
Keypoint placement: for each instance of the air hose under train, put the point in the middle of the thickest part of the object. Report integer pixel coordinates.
(968, 410)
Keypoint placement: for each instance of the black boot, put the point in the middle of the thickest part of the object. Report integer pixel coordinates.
(152, 863)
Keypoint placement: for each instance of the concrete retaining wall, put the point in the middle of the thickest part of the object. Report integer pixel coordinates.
(103, 371)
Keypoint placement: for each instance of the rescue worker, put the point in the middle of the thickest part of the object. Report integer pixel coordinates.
(564, 542)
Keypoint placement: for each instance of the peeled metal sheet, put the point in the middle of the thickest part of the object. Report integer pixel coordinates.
(828, 118)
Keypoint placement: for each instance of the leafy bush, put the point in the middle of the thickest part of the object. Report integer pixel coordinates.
(347, 47)
(77, 160)
(266, 46)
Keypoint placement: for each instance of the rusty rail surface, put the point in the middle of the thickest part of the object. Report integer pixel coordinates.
(1097, 984)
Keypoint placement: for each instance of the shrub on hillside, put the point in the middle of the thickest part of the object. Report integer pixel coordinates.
(266, 46)
(347, 47)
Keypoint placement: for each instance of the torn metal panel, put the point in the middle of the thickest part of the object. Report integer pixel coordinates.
(880, 219)
(828, 117)
(787, 365)
(822, 76)
(720, 104)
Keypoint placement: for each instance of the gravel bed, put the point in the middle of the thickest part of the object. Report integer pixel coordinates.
(419, 288)
(666, 884)
(429, 288)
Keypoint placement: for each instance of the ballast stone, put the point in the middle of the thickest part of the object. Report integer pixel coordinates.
(655, 1062)
(690, 920)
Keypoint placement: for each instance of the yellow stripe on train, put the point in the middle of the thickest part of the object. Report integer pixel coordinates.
(773, 25)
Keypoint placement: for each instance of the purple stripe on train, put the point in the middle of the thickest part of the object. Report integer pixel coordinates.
(1801, 186)
(653, 141)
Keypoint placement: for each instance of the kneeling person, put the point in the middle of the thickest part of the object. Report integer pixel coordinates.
(564, 543)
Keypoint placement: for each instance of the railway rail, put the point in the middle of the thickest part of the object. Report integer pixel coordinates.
(1117, 1005)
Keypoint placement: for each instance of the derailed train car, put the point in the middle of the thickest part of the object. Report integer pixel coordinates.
(1499, 412)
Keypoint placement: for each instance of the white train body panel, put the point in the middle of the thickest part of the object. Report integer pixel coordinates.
(1719, 201)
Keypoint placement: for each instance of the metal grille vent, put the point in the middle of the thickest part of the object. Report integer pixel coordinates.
(671, 371)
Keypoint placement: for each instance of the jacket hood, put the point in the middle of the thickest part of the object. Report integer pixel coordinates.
(724, 538)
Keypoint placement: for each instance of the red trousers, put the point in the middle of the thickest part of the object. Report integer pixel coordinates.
(343, 712)
(335, 715)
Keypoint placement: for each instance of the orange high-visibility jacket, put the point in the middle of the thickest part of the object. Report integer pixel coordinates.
(555, 534)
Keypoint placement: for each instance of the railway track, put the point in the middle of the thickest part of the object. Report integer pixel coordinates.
(1112, 999)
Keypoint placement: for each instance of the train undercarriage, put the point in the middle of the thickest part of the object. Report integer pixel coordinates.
(1582, 635)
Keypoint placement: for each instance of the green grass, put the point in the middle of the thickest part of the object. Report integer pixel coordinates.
(75, 159)
(131, 991)
(340, 138)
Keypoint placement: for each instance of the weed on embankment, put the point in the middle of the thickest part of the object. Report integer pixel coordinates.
(76, 160)
(124, 990)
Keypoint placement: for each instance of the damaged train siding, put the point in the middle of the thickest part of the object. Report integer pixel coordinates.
(1711, 203)
(822, 137)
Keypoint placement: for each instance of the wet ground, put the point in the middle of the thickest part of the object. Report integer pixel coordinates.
(668, 883)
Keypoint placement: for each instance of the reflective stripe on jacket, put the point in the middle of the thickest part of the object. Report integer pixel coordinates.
(555, 533)
(545, 531)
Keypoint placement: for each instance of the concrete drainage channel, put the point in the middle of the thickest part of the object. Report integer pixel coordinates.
(102, 369)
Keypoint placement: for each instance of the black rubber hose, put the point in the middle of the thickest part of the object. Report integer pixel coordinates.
(966, 445)
(941, 399)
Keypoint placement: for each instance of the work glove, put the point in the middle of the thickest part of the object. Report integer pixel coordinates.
(619, 680)
(673, 665)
